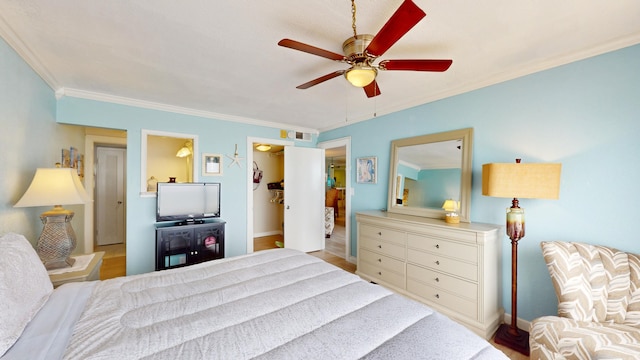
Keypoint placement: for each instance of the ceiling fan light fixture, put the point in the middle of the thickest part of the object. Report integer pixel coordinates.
(361, 75)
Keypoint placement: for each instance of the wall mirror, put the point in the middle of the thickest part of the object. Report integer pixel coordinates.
(429, 169)
(167, 156)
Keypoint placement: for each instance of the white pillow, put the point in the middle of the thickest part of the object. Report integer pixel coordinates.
(24, 287)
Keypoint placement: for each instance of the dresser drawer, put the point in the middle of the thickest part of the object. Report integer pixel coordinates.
(443, 247)
(443, 264)
(378, 272)
(444, 299)
(384, 234)
(443, 281)
(382, 247)
(382, 261)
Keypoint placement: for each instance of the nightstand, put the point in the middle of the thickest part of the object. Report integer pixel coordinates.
(91, 272)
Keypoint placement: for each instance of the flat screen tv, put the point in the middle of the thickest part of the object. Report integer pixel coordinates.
(187, 201)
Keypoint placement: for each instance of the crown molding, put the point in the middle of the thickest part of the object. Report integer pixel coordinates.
(114, 99)
(19, 46)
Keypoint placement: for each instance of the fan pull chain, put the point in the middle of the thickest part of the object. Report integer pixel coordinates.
(375, 106)
(375, 101)
(353, 17)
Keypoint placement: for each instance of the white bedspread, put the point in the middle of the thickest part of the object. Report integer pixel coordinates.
(276, 304)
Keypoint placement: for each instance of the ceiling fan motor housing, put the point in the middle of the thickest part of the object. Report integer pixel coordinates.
(355, 46)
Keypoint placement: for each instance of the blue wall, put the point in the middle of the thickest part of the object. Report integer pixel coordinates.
(30, 138)
(214, 136)
(443, 184)
(585, 115)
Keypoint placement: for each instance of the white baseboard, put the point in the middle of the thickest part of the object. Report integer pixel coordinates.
(522, 324)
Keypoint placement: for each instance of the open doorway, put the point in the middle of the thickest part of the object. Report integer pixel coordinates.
(337, 199)
(302, 198)
(335, 195)
(265, 208)
(114, 260)
(268, 196)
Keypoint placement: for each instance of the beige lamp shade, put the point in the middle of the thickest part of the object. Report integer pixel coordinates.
(54, 186)
(518, 180)
(451, 205)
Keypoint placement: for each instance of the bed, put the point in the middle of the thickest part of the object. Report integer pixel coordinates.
(274, 304)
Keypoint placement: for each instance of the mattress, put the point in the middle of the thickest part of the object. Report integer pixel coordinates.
(274, 304)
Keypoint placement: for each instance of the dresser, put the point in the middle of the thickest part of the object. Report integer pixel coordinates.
(453, 268)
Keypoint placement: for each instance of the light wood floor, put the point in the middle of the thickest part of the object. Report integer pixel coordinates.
(114, 261)
(114, 265)
(269, 242)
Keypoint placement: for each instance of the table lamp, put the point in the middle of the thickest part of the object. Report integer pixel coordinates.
(517, 180)
(55, 187)
(451, 215)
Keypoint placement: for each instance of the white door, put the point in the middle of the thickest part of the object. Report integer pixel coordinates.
(110, 195)
(303, 198)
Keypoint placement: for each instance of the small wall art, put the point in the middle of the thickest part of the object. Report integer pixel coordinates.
(71, 158)
(367, 170)
(211, 164)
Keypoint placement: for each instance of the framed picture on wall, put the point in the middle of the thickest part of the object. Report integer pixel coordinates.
(367, 170)
(211, 164)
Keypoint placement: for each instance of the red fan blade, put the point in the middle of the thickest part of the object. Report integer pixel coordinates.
(406, 17)
(372, 89)
(296, 45)
(415, 65)
(319, 80)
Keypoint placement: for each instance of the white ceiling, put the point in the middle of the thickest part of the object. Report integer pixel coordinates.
(220, 59)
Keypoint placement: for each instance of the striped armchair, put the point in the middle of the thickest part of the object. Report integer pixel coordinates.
(598, 304)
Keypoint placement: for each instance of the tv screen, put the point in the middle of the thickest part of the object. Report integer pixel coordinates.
(187, 201)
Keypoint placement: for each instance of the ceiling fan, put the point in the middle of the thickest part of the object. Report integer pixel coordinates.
(361, 51)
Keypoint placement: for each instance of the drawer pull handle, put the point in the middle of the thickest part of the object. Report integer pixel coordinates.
(437, 279)
(380, 273)
(379, 260)
(379, 246)
(379, 233)
(437, 262)
(437, 296)
(437, 246)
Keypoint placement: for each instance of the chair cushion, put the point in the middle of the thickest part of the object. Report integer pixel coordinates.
(554, 337)
(594, 283)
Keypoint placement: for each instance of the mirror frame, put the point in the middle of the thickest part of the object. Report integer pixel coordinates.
(466, 135)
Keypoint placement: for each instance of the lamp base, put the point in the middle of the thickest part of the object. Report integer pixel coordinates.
(452, 219)
(520, 342)
(57, 240)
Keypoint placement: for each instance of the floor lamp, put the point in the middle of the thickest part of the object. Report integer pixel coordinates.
(55, 187)
(517, 180)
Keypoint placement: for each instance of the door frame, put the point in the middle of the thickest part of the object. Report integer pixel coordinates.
(250, 142)
(346, 142)
(90, 142)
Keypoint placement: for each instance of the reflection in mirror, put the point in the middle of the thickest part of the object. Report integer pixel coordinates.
(427, 170)
(167, 157)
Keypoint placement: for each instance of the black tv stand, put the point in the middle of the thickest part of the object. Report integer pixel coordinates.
(188, 242)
